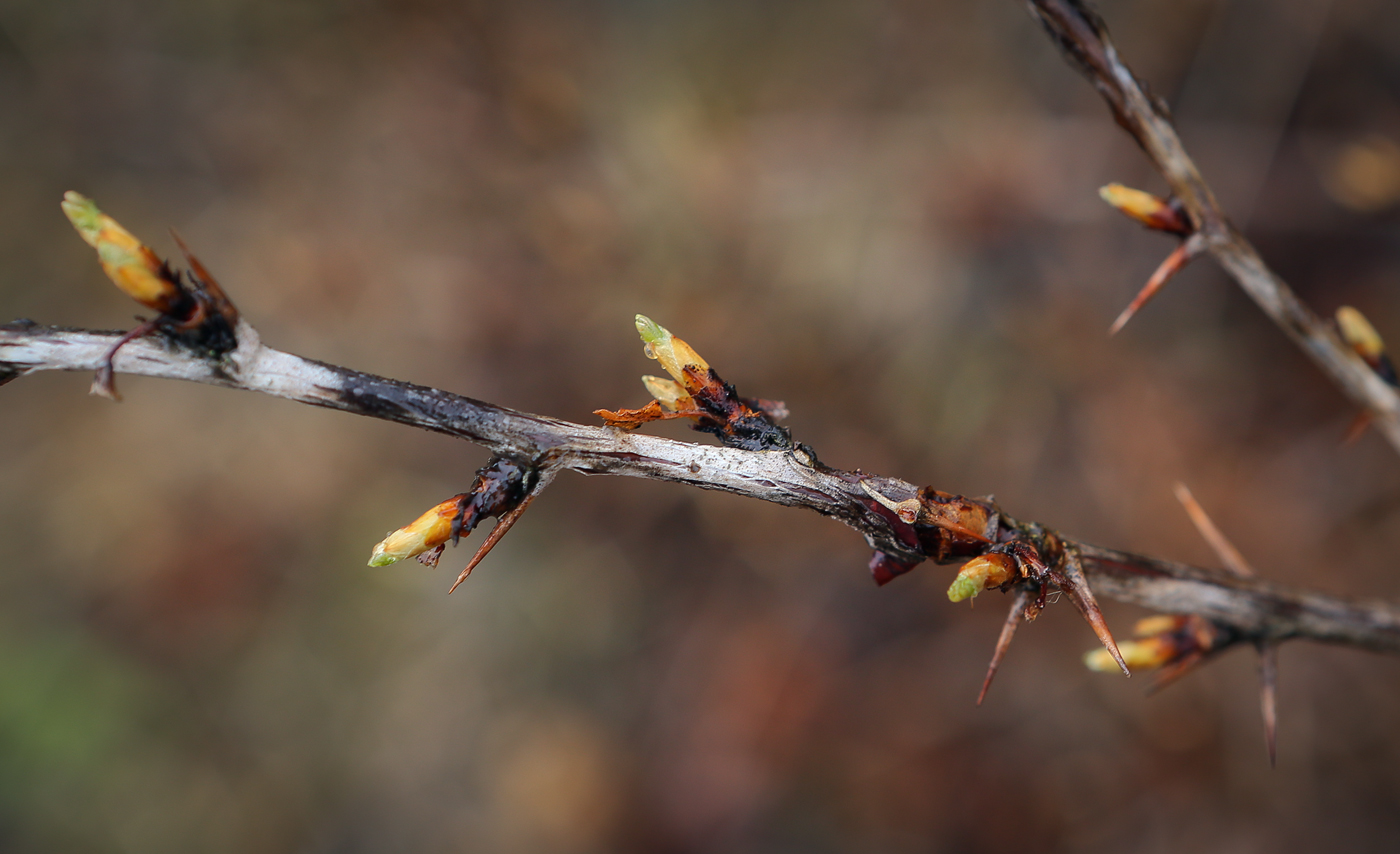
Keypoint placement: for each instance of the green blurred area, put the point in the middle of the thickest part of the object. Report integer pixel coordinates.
(884, 214)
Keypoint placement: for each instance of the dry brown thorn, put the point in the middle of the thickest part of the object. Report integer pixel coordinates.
(1174, 263)
(500, 529)
(1021, 611)
(1223, 548)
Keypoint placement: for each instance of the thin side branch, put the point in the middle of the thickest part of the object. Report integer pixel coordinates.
(1083, 38)
(1248, 608)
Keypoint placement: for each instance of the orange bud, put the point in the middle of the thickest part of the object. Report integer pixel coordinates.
(428, 531)
(1164, 639)
(982, 573)
(1146, 208)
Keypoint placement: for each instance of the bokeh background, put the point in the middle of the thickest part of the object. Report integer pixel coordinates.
(883, 213)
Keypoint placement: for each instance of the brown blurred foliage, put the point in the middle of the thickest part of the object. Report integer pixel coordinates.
(884, 214)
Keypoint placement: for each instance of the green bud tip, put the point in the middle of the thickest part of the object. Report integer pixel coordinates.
(84, 215)
(963, 588)
(381, 557)
(651, 331)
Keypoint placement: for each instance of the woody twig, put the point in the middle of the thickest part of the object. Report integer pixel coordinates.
(905, 524)
(1250, 607)
(199, 336)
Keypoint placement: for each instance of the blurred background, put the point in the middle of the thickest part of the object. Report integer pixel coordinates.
(883, 213)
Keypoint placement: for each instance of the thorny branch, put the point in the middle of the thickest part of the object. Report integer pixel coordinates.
(198, 335)
(1083, 38)
(1246, 609)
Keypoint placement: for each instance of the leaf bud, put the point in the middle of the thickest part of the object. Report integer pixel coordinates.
(130, 264)
(427, 532)
(981, 573)
(674, 354)
(1150, 210)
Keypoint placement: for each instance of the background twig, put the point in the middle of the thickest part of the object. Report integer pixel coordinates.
(1083, 38)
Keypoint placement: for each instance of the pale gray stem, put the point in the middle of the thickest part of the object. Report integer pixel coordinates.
(1253, 609)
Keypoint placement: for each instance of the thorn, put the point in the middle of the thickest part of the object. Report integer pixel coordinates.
(1072, 581)
(1008, 631)
(1268, 690)
(1174, 263)
(195, 267)
(503, 525)
(1224, 549)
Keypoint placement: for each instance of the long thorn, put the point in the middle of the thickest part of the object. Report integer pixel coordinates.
(1174, 263)
(1268, 690)
(503, 525)
(1008, 631)
(1076, 587)
(1224, 549)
